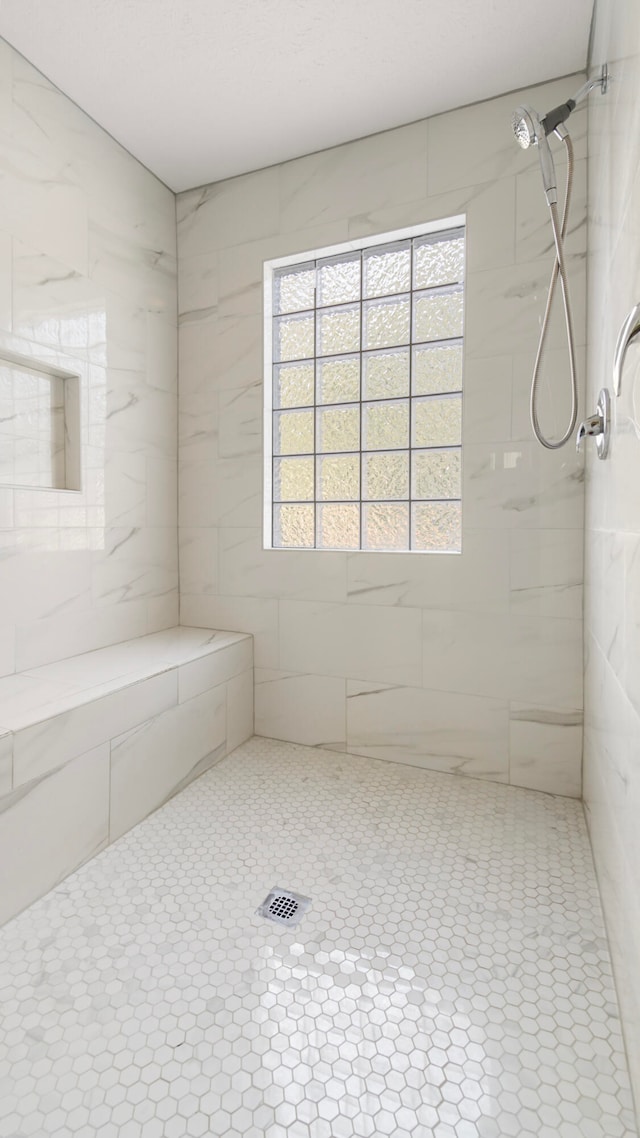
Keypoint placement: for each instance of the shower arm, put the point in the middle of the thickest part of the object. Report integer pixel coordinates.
(557, 116)
(602, 82)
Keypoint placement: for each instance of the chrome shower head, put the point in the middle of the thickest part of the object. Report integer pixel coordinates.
(526, 126)
(530, 130)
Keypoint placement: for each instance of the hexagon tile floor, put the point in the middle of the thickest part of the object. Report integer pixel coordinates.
(451, 978)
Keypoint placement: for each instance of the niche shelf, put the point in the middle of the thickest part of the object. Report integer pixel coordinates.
(39, 425)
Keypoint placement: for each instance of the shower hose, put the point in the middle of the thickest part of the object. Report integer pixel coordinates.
(559, 270)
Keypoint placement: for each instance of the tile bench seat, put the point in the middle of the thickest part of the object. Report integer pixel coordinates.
(92, 744)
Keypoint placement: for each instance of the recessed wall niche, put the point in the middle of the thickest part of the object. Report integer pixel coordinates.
(39, 425)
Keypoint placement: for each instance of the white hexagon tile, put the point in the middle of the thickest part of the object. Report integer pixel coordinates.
(450, 979)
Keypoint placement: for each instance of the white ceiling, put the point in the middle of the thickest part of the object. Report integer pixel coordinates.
(200, 90)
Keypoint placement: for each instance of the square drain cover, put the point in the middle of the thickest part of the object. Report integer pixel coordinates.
(284, 907)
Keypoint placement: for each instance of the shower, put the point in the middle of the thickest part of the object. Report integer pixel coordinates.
(532, 130)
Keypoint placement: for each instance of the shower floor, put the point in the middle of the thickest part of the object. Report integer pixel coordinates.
(451, 978)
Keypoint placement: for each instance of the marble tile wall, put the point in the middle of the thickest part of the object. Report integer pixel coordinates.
(90, 745)
(87, 285)
(470, 663)
(612, 580)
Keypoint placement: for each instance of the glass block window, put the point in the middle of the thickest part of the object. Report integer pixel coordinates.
(364, 415)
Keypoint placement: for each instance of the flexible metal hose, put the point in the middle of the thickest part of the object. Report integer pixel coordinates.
(559, 270)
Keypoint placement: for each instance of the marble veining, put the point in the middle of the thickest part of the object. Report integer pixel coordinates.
(98, 741)
(417, 628)
(612, 534)
(87, 262)
(53, 689)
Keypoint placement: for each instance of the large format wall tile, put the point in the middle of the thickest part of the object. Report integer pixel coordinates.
(461, 734)
(554, 400)
(42, 641)
(45, 745)
(306, 708)
(33, 585)
(6, 763)
(364, 175)
(501, 314)
(545, 749)
(518, 485)
(612, 536)
(199, 560)
(336, 640)
(228, 213)
(256, 616)
(154, 760)
(499, 624)
(246, 569)
(476, 581)
(198, 676)
(5, 280)
(240, 709)
(50, 826)
(504, 656)
(546, 571)
(235, 498)
(533, 238)
(114, 733)
(88, 283)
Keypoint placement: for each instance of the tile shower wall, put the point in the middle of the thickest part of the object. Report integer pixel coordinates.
(87, 283)
(612, 596)
(470, 663)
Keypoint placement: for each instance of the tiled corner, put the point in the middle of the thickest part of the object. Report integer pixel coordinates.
(545, 749)
(305, 709)
(440, 731)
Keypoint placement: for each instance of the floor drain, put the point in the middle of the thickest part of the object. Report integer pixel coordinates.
(284, 907)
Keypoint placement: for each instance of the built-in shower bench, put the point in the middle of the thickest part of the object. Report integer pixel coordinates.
(92, 744)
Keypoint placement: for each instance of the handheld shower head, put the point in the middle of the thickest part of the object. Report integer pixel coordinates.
(526, 126)
(532, 130)
(529, 130)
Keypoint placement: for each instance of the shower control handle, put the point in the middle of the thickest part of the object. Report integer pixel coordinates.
(597, 426)
(591, 426)
(628, 332)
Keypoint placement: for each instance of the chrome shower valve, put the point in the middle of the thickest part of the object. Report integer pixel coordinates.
(597, 426)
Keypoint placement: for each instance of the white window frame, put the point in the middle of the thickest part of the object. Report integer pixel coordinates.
(270, 267)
